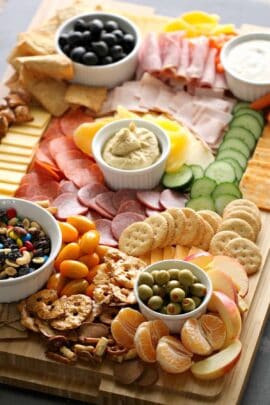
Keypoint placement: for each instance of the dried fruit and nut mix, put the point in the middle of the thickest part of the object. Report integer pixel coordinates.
(24, 246)
(172, 291)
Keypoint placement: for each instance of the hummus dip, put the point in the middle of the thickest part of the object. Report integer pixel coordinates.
(131, 148)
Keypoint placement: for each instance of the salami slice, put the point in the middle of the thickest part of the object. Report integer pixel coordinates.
(43, 153)
(61, 144)
(123, 220)
(104, 200)
(81, 176)
(150, 212)
(104, 228)
(94, 206)
(131, 206)
(172, 199)
(67, 186)
(150, 199)
(53, 131)
(93, 215)
(63, 158)
(86, 193)
(123, 195)
(67, 204)
(72, 119)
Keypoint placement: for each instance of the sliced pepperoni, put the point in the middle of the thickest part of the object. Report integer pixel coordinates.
(43, 153)
(172, 199)
(150, 199)
(150, 212)
(63, 159)
(72, 119)
(104, 200)
(131, 206)
(123, 195)
(67, 204)
(86, 175)
(67, 186)
(94, 206)
(53, 131)
(90, 191)
(123, 220)
(104, 228)
(61, 144)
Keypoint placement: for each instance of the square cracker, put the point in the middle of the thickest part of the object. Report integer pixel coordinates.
(90, 97)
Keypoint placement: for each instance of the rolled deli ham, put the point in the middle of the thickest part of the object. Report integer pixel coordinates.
(199, 52)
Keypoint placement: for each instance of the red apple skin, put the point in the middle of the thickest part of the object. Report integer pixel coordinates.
(224, 283)
(229, 313)
(196, 256)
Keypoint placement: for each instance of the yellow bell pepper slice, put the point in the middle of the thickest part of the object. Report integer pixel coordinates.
(198, 17)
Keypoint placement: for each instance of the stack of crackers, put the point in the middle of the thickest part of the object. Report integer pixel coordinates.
(255, 184)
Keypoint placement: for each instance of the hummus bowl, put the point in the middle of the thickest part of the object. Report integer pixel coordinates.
(145, 178)
(15, 289)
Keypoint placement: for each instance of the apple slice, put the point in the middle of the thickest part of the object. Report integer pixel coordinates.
(242, 305)
(234, 269)
(222, 282)
(229, 313)
(218, 364)
(201, 259)
(194, 250)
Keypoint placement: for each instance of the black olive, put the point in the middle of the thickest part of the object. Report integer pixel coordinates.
(128, 42)
(66, 50)
(107, 60)
(74, 38)
(90, 59)
(111, 25)
(95, 26)
(109, 38)
(119, 35)
(86, 38)
(80, 25)
(116, 51)
(77, 53)
(63, 39)
(100, 48)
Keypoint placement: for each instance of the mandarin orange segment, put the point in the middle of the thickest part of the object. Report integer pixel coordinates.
(193, 338)
(121, 335)
(214, 329)
(146, 339)
(172, 356)
(124, 326)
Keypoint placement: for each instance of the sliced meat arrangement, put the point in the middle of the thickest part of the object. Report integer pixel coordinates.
(72, 119)
(204, 111)
(67, 204)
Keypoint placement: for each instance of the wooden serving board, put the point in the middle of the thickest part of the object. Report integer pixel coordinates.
(23, 363)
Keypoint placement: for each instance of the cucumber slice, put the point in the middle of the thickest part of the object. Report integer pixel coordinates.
(235, 144)
(234, 154)
(201, 203)
(251, 112)
(222, 200)
(202, 187)
(221, 172)
(248, 122)
(239, 106)
(197, 171)
(178, 179)
(237, 168)
(243, 134)
(226, 188)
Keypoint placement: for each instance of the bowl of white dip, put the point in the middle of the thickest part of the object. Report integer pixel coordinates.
(246, 60)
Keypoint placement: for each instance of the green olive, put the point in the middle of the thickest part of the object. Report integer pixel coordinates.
(177, 295)
(186, 277)
(173, 308)
(195, 279)
(163, 310)
(154, 274)
(198, 289)
(146, 278)
(145, 292)
(188, 304)
(162, 277)
(171, 285)
(158, 290)
(197, 300)
(155, 302)
(174, 274)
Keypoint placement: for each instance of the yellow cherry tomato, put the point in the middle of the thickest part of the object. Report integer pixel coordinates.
(81, 223)
(73, 269)
(70, 251)
(101, 250)
(90, 290)
(69, 232)
(75, 287)
(90, 260)
(56, 282)
(89, 242)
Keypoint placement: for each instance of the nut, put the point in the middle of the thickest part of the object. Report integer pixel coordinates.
(34, 224)
(13, 221)
(81, 348)
(3, 231)
(10, 263)
(101, 347)
(25, 259)
(26, 223)
(69, 354)
(10, 271)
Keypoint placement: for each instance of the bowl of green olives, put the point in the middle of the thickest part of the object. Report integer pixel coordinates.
(173, 290)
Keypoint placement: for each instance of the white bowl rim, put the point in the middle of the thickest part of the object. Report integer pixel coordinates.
(164, 152)
(179, 316)
(96, 14)
(51, 257)
(235, 41)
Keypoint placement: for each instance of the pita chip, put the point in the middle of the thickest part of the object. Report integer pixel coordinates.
(90, 97)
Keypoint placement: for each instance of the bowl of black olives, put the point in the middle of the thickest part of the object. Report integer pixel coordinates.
(103, 48)
(173, 291)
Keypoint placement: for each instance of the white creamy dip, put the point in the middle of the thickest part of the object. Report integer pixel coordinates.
(250, 61)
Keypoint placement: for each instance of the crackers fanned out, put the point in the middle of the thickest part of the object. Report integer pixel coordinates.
(90, 97)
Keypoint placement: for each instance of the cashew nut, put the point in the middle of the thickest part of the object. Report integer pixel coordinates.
(10, 263)
(25, 259)
(8, 272)
(26, 223)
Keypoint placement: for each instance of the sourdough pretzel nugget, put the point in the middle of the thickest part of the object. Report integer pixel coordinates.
(76, 310)
(136, 239)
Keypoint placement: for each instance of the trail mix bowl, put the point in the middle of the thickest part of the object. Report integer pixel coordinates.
(30, 239)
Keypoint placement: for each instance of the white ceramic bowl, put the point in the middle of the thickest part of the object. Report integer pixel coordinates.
(15, 289)
(241, 88)
(146, 178)
(108, 75)
(175, 322)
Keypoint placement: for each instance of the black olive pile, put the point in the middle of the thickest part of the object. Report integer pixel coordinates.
(96, 42)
